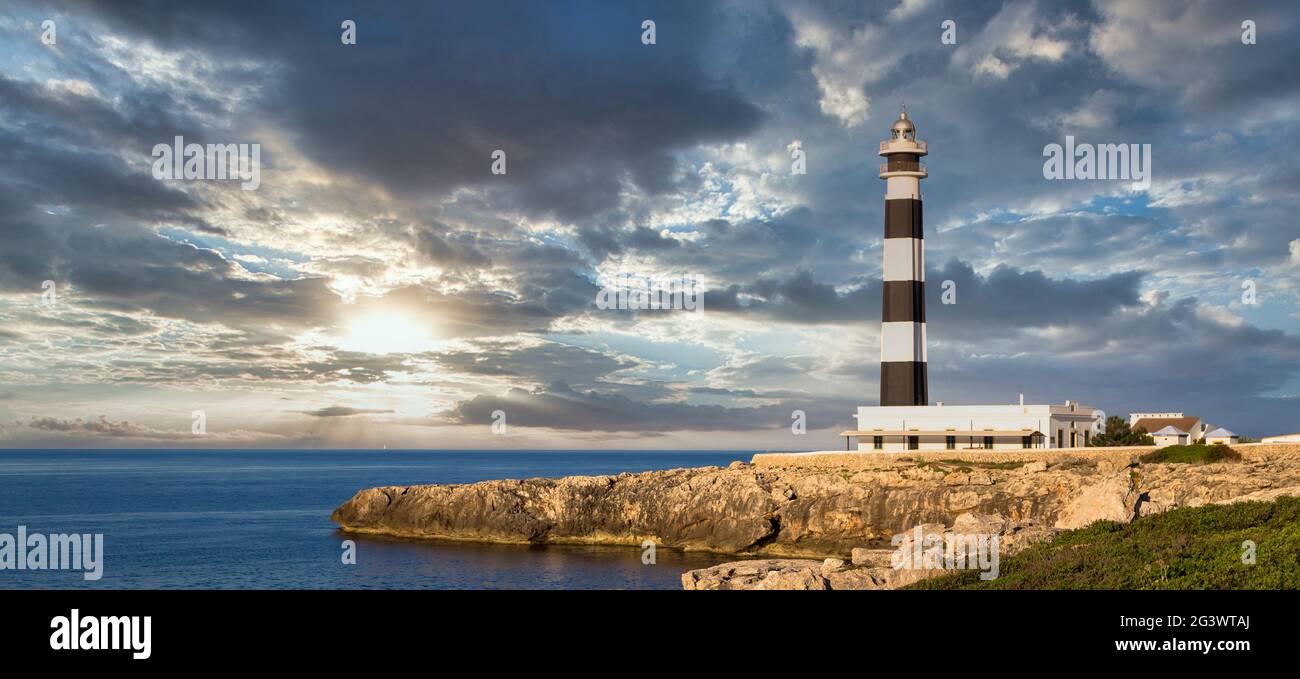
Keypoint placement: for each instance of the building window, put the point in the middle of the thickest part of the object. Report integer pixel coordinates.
(1027, 441)
(988, 442)
(913, 442)
(1085, 438)
(950, 442)
(878, 442)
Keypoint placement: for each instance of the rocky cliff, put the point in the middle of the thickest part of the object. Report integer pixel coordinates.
(813, 509)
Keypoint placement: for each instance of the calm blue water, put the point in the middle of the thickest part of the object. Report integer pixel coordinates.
(260, 519)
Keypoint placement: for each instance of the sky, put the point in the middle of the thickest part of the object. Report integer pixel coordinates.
(383, 286)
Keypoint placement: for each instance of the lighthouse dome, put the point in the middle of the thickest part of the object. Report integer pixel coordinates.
(903, 127)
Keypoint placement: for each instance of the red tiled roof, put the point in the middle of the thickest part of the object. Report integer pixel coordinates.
(1155, 424)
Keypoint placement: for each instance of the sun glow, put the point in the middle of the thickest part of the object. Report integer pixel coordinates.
(386, 333)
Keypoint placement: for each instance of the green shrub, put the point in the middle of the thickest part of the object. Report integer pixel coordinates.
(1197, 453)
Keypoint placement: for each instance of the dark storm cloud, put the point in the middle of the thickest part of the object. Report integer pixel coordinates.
(57, 118)
(74, 211)
(1160, 355)
(129, 268)
(1212, 72)
(559, 406)
(91, 182)
(1005, 300)
(455, 251)
(1010, 298)
(567, 90)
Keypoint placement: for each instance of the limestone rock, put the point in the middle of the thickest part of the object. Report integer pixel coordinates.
(861, 578)
(832, 565)
(807, 510)
(876, 558)
(1114, 498)
(985, 524)
(790, 574)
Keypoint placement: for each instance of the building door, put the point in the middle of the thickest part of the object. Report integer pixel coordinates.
(913, 442)
(1060, 438)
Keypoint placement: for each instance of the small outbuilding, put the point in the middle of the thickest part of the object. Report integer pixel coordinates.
(1170, 436)
(1221, 435)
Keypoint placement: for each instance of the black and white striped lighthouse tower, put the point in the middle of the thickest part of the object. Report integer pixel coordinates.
(903, 379)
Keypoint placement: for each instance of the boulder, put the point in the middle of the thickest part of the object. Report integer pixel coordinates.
(787, 574)
(876, 558)
(1113, 498)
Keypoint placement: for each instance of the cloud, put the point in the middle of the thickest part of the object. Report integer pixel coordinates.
(847, 58)
(1018, 33)
(345, 411)
(559, 406)
(1194, 50)
(1096, 112)
(377, 205)
(97, 427)
(539, 100)
(1005, 300)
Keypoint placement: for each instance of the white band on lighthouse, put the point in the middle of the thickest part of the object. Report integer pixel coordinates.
(902, 188)
(904, 259)
(902, 341)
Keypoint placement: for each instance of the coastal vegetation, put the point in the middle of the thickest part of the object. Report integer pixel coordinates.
(1196, 453)
(1244, 545)
(1118, 433)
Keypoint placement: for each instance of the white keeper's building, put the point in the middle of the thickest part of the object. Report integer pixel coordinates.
(905, 420)
(967, 427)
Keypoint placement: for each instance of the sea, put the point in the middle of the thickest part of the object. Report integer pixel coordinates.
(240, 519)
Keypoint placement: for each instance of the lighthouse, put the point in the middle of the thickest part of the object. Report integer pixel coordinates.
(905, 420)
(903, 379)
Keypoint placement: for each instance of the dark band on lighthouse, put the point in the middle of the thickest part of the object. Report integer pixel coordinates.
(903, 375)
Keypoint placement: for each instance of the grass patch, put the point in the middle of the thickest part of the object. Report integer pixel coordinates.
(1196, 453)
(1186, 548)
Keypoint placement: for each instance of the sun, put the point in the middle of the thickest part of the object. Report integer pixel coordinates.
(386, 333)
